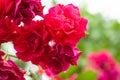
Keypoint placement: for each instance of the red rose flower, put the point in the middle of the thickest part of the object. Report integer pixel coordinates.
(7, 30)
(10, 71)
(32, 41)
(21, 10)
(59, 59)
(70, 54)
(66, 24)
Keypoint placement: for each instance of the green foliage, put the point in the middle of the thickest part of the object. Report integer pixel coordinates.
(88, 75)
(103, 34)
(70, 72)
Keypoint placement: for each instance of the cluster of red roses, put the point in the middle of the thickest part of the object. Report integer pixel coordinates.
(49, 42)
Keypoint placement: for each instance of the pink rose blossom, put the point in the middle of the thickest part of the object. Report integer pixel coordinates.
(66, 24)
(109, 75)
(105, 65)
(103, 60)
